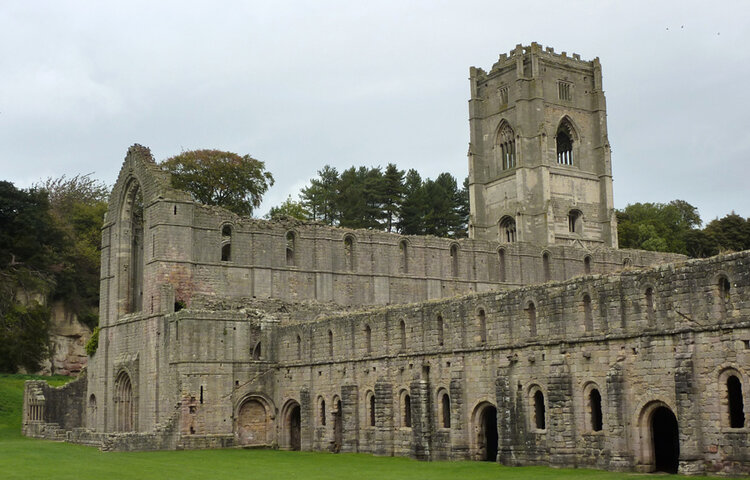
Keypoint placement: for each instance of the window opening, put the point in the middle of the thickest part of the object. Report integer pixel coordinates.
(404, 256)
(595, 409)
(290, 248)
(546, 267)
(588, 318)
(454, 260)
(402, 329)
(322, 411)
(507, 230)
(587, 265)
(226, 240)
(407, 410)
(445, 402)
(564, 91)
(506, 141)
(257, 351)
(330, 343)
(724, 287)
(299, 347)
(482, 320)
(564, 142)
(440, 333)
(736, 405)
(349, 252)
(574, 221)
(368, 339)
(201, 397)
(372, 409)
(501, 264)
(503, 94)
(539, 410)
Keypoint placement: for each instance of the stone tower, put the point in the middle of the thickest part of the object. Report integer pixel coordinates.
(539, 159)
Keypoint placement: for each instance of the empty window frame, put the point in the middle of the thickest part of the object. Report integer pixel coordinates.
(501, 269)
(506, 145)
(349, 253)
(406, 410)
(502, 94)
(595, 410)
(402, 335)
(507, 230)
(226, 243)
(564, 144)
(330, 344)
(649, 294)
(540, 422)
(735, 403)
(299, 347)
(371, 408)
(403, 247)
(257, 352)
(575, 221)
(291, 249)
(587, 265)
(564, 90)
(445, 409)
(546, 270)
(368, 339)
(454, 260)
(322, 411)
(440, 332)
(482, 324)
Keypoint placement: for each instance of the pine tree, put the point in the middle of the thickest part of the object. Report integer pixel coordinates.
(414, 206)
(393, 194)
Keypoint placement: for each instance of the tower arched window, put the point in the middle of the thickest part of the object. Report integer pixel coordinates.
(330, 343)
(587, 265)
(506, 144)
(564, 143)
(546, 267)
(368, 339)
(482, 321)
(575, 221)
(404, 260)
(226, 243)
(507, 229)
(539, 410)
(349, 253)
(402, 331)
(290, 249)
(440, 333)
(595, 410)
(454, 260)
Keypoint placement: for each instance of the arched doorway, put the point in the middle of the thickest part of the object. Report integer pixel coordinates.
(665, 440)
(252, 423)
(124, 411)
(293, 426)
(485, 427)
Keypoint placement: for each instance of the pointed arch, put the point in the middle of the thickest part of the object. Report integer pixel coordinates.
(565, 137)
(507, 229)
(131, 248)
(505, 146)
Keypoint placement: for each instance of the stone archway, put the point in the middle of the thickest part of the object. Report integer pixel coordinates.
(124, 405)
(665, 440)
(292, 426)
(252, 426)
(485, 431)
(658, 439)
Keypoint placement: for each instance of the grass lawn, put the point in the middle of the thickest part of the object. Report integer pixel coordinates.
(25, 458)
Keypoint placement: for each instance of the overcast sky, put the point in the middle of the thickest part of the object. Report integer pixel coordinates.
(303, 84)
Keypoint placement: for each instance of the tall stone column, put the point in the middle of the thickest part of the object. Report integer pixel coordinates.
(306, 424)
(507, 417)
(687, 403)
(621, 458)
(383, 417)
(561, 431)
(421, 419)
(350, 413)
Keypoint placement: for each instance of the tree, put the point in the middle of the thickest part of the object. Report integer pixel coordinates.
(414, 205)
(319, 198)
(657, 226)
(393, 194)
(732, 232)
(226, 179)
(289, 208)
(78, 205)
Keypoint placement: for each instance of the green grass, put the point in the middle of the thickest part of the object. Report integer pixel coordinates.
(25, 458)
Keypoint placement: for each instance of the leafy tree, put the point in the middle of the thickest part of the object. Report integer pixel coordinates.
(289, 208)
(226, 179)
(657, 226)
(78, 205)
(731, 232)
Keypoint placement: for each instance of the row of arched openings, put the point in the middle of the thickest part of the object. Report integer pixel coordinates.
(506, 151)
(404, 418)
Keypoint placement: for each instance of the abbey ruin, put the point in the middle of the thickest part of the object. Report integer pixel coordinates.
(533, 342)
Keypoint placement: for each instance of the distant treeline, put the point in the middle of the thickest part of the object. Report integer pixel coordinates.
(391, 200)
